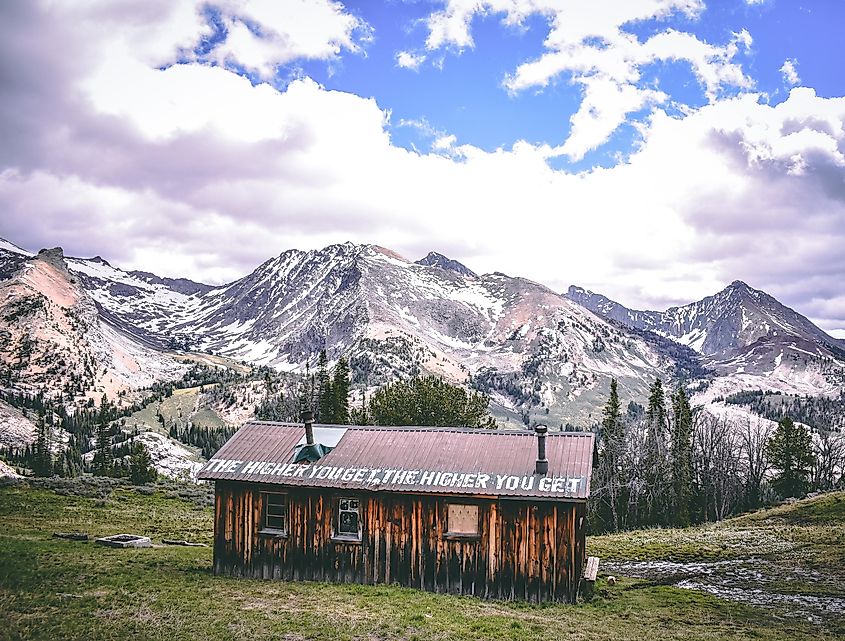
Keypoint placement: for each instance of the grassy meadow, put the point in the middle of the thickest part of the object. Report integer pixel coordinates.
(59, 589)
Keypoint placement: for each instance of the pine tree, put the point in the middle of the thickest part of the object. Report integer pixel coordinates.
(103, 459)
(360, 416)
(681, 457)
(612, 450)
(325, 392)
(141, 468)
(42, 464)
(655, 469)
(340, 393)
(790, 450)
(306, 392)
(73, 463)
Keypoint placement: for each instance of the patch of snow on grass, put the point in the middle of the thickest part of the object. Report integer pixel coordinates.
(8, 472)
(170, 458)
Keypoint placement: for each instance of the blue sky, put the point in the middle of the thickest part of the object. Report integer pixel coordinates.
(651, 150)
(460, 92)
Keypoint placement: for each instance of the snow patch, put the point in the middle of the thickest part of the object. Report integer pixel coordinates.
(170, 458)
(5, 245)
(8, 472)
(15, 429)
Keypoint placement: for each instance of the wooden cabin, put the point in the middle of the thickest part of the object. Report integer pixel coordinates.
(495, 514)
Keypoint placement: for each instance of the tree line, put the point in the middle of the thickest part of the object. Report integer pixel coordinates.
(673, 465)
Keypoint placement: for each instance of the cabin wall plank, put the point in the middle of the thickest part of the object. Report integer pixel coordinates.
(530, 551)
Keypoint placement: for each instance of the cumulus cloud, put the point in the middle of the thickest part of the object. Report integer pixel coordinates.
(409, 60)
(587, 42)
(789, 72)
(188, 169)
(261, 35)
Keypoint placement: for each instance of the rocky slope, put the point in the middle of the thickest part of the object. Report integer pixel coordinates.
(748, 338)
(541, 356)
(538, 354)
(718, 325)
(55, 340)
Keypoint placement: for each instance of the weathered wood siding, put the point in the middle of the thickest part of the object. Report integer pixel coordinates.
(530, 551)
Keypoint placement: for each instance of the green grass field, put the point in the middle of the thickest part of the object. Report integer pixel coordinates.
(181, 407)
(58, 589)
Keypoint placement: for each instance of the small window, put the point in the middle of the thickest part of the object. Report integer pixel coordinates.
(462, 520)
(276, 512)
(348, 524)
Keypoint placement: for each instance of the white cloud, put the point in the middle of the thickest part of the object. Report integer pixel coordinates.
(603, 109)
(790, 72)
(192, 171)
(409, 60)
(587, 40)
(444, 143)
(264, 34)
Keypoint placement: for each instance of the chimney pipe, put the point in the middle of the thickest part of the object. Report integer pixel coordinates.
(308, 418)
(542, 466)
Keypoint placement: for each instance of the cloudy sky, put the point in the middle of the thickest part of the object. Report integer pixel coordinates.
(652, 150)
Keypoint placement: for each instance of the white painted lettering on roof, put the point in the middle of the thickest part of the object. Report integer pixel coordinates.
(377, 477)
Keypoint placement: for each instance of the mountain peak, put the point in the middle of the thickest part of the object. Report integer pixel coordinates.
(433, 259)
(740, 285)
(743, 290)
(54, 256)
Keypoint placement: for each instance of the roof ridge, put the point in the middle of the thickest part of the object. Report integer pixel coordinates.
(423, 428)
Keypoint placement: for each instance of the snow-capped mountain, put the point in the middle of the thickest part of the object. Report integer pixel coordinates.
(533, 350)
(539, 354)
(745, 334)
(54, 338)
(718, 325)
(433, 259)
(12, 258)
(529, 347)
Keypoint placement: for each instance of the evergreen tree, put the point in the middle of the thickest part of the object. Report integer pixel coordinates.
(340, 393)
(681, 457)
(103, 459)
(611, 455)
(360, 416)
(655, 472)
(306, 392)
(790, 451)
(73, 463)
(42, 463)
(141, 469)
(325, 392)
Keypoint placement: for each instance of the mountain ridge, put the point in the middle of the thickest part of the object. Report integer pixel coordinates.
(540, 355)
(707, 325)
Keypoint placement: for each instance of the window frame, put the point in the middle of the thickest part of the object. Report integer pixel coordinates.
(265, 507)
(463, 536)
(343, 537)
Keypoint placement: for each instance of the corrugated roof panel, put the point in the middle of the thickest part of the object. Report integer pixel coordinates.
(413, 460)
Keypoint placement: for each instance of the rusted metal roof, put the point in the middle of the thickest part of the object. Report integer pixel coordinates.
(411, 460)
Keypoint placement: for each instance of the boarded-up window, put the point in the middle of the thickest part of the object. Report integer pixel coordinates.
(276, 512)
(462, 519)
